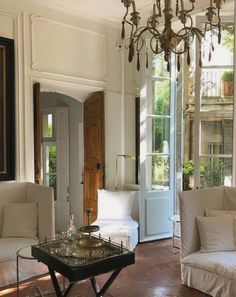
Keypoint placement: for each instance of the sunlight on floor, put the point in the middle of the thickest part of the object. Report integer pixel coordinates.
(7, 291)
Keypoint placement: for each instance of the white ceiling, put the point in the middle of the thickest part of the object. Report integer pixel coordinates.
(113, 10)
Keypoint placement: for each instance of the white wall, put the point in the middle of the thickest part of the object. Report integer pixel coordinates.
(71, 53)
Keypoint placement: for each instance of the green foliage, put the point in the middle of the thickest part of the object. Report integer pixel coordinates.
(228, 75)
(52, 166)
(49, 130)
(228, 37)
(212, 174)
(188, 168)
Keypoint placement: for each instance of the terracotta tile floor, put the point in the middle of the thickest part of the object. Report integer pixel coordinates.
(156, 273)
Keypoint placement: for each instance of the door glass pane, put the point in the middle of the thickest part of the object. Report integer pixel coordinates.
(215, 171)
(47, 125)
(159, 66)
(160, 135)
(160, 172)
(216, 114)
(222, 55)
(216, 137)
(161, 97)
(216, 110)
(51, 166)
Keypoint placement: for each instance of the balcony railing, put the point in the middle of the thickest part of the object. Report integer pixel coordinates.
(211, 85)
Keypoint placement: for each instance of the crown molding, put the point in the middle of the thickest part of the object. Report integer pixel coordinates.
(75, 10)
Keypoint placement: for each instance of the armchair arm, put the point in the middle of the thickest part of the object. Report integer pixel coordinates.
(45, 199)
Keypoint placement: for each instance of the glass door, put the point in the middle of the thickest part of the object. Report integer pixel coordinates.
(157, 152)
(208, 113)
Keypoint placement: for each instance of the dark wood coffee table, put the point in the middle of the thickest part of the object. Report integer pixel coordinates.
(84, 262)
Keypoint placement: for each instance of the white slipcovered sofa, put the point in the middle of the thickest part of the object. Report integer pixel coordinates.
(26, 216)
(212, 272)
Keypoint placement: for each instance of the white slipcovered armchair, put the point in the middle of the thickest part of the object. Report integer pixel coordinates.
(118, 216)
(208, 233)
(26, 216)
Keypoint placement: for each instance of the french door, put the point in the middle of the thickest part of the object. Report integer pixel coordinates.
(157, 150)
(208, 118)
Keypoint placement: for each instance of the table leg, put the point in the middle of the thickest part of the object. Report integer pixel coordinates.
(107, 284)
(56, 285)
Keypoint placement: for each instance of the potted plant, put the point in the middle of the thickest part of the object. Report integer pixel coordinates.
(188, 170)
(227, 83)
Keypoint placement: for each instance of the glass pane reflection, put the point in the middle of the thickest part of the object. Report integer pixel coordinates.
(160, 173)
(160, 135)
(215, 171)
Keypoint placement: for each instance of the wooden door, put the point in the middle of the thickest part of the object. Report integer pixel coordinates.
(93, 152)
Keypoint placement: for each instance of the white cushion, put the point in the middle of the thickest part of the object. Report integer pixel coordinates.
(20, 220)
(216, 233)
(119, 230)
(9, 247)
(115, 205)
(221, 263)
(217, 213)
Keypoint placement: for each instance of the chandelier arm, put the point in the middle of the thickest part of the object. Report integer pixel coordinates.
(155, 33)
(154, 50)
(188, 29)
(126, 13)
(138, 48)
(177, 53)
(213, 25)
(140, 33)
(127, 22)
(152, 17)
(190, 10)
(192, 31)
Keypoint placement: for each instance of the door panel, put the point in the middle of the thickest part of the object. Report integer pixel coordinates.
(93, 151)
(162, 206)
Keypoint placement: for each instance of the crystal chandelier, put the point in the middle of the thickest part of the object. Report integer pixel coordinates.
(168, 40)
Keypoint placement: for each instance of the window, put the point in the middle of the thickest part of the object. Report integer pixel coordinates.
(208, 114)
(49, 150)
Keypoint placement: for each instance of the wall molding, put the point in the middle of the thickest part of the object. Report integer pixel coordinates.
(77, 91)
(111, 92)
(63, 78)
(76, 11)
(34, 18)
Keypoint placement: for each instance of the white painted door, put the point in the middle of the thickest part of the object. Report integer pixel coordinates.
(62, 144)
(157, 143)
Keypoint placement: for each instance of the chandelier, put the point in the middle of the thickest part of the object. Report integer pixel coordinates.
(168, 40)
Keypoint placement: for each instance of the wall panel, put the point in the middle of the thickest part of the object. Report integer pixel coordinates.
(60, 48)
